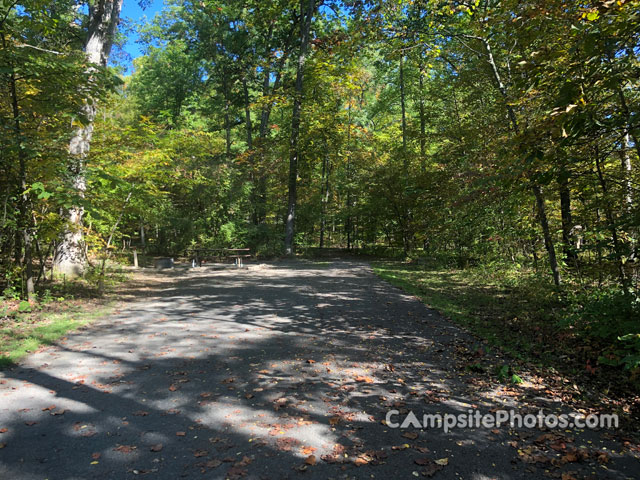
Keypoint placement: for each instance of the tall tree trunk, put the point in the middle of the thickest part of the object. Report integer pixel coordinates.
(617, 247)
(307, 9)
(627, 171)
(24, 222)
(537, 191)
(247, 113)
(349, 223)
(260, 210)
(227, 107)
(103, 19)
(405, 162)
(546, 231)
(405, 159)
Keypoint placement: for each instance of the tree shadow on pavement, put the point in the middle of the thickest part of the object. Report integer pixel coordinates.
(278, 371)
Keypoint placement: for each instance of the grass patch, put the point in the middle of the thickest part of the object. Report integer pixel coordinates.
(26, 333)
(61, 307)
(570, 331)
(515, 314)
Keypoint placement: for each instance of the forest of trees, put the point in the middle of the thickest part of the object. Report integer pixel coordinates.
(475, 132)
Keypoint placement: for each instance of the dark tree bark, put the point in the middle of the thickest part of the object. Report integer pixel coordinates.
(546, 231)
(227, 107)
(143, 242)
(260, 198)
(423, 124)
(24, 238)
(307, 10)
(537, 191)
(247, 113)
(405, 159)
(566, 218)
(349, 222)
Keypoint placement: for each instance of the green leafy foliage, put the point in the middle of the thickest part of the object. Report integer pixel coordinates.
(498, 138)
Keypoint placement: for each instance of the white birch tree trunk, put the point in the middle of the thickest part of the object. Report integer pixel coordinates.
(69, 258)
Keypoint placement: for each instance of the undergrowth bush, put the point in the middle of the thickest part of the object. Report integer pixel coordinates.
(610, 315)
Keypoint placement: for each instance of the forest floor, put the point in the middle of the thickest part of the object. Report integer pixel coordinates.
(541, 328)
(280, 370)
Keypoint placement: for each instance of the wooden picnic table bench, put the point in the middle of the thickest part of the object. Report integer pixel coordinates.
(238, 254)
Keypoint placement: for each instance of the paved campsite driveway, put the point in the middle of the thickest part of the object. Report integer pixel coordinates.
(279, 371)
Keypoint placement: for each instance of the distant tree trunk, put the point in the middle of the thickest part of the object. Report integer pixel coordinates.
(566, 217)
(260, 199)
(307, 9)
(627, 176)
(617, 247)
(109, 240)
(324, 193)
(142, 236)
(546, 231)
(405, 159)
(247, 113)
(627, 171)
(349, 224)
(104, 15)
(227, 120)
(423, 122)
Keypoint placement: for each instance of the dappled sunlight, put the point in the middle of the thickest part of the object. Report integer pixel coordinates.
(268, 425)
(279, 364)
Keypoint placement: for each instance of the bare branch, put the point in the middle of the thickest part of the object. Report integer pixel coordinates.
(40, 49)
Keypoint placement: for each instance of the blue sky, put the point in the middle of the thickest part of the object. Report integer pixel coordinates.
(132, 11)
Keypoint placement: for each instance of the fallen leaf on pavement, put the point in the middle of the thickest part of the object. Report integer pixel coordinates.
(404, 446)
(308, 450)
(125, 448)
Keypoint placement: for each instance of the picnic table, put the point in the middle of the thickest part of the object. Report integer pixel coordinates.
(238, 255)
